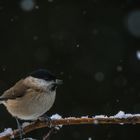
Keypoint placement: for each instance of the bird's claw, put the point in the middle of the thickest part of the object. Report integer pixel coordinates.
(47, 120)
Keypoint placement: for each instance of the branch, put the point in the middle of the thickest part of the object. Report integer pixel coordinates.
(120, 118)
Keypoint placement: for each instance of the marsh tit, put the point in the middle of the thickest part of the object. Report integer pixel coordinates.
(31, 97)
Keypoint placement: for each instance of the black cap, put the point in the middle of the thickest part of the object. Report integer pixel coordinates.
(43, 74)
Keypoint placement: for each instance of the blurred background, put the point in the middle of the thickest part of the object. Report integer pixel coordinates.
(93, 45)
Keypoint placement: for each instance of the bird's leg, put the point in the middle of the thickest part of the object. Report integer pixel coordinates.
(46, 119)
(20, 128)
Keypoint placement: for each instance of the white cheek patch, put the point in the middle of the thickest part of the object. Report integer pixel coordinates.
(40, 83)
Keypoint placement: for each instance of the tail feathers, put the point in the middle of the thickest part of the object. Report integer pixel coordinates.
(3, 99)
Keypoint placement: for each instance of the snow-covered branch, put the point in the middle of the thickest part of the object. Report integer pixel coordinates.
(56, 120)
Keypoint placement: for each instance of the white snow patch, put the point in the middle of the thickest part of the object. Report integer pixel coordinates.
(121, 114)
(58, 127)
(71, 117)
(6, 131)
(56, 117)
(100, 116)
(84, 117)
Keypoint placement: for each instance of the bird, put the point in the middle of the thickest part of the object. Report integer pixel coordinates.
(32, 96)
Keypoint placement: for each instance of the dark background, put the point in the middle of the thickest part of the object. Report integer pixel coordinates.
(93, 45)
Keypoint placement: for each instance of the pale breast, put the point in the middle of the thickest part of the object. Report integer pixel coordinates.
(31, 106)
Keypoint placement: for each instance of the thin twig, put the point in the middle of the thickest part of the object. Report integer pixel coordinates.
(127, 119)
(51, 132)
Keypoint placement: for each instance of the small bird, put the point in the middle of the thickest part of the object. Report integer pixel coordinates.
(32, 96)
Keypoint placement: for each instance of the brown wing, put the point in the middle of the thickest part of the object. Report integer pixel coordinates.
(18, 90)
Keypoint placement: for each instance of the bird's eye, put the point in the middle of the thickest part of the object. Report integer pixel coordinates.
(53, 87)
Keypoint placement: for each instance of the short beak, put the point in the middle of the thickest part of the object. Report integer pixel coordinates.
(59, 82)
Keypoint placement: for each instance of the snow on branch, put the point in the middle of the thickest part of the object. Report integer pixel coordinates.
(56, 120)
